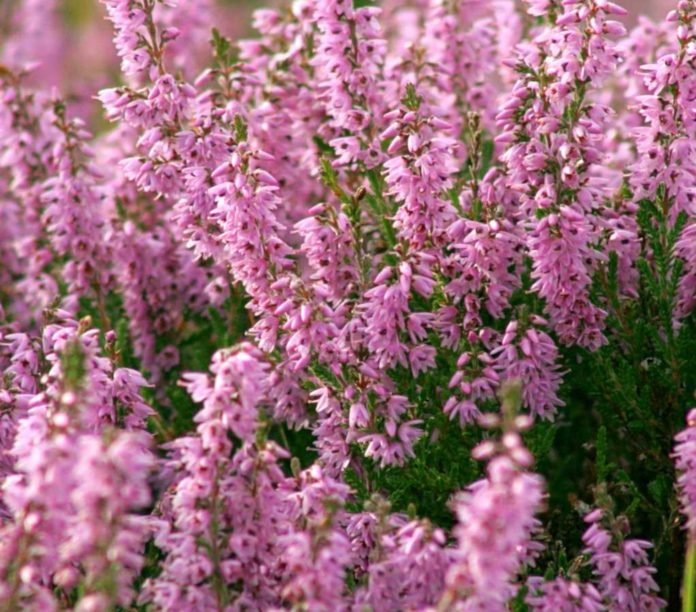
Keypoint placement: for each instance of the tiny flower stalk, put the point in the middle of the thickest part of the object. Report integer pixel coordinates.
(496, 515)
(689, 584)
(478, 150)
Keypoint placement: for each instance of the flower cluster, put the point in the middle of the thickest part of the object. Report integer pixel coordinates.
(258, 320)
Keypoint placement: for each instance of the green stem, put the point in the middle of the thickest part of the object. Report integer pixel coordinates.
(689, 585)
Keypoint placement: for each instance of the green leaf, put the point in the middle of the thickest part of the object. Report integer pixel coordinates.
(487, 149)
(602, 463)
(411, 99)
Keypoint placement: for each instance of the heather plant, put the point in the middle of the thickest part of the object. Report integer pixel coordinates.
(380, 307)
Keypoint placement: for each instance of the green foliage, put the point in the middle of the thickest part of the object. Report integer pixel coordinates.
(411, 100)
(626, 402)
(240, 129)
(72, 364)
(442, 466)
(223, 50)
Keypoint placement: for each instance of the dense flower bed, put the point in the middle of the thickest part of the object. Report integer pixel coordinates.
(381, 309)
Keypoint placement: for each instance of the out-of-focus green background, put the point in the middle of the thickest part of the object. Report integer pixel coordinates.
(79, 12)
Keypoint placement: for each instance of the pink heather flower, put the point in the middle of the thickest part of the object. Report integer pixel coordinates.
(228, 513)
(63, 466)
(685, 463)
(224, 526)
(139, 52)
(495, 524)
(386, 437)
(158, 281)
(685, 249)
(484, 262)
(495, 520)
(294, 110)
(408, 564)
(394, 446)
(562, 595)
(52, 177)
(532, 357)
(554, 169)
(623, 575)
(664, 138)
(560, 247)
(72, 208)
(317, 575)
(350, 51)
(111, 483)
(623, 240)
(35, 39)
(330, 431)
(386, 307)
(364, 530)
(245, 204)
(315, 558)
(19, 361)
(421, 358)
(460, 43)
(230, 399)
(420, 175)
(475, 381)
(328, 245)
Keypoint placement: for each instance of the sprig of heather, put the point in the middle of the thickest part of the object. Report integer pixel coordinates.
(417, 176)
(103, 547)
(419, 172)
(664, 168)
(622, 577)
(663, 139)
(350, 52)
(158, 281)
(176, 144)
(556, 135)
(684, 456)
(685, 462)
(66, 456)
(405, 560)
(71, 209)
(621, 568)
(527, 353)
(316, 554)
(62, 224)
(496, 518)
(459, 44)
(33, 38)
(138, 42)
(20, 356)
(252, 248)
(223, 519)
(562, 594)
(277, 67)
(25, 164)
